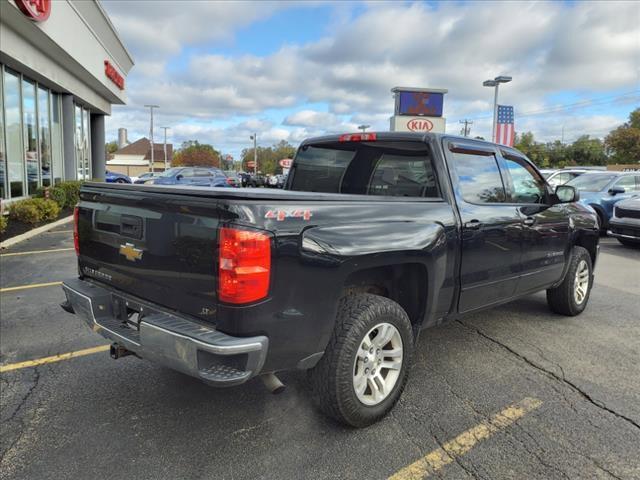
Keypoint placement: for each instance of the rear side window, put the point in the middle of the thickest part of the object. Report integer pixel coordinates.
(479, 178)
(401, 169)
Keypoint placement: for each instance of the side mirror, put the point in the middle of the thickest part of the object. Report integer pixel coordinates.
(567, 194)
(179, 177)
(616, 190)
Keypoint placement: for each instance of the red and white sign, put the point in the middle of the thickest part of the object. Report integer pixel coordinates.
(113, 74)
(36, 10)
(419, 125)
(251, 164)
(285, 163)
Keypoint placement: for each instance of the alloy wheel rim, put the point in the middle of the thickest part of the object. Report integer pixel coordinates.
(581, 282)
(377, 365)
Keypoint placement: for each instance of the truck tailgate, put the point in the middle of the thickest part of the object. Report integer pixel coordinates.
(160, 247)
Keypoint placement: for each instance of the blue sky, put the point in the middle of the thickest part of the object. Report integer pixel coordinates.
(221, 70)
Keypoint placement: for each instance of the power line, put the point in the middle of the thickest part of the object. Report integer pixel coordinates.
(467, 127)
(571, 106)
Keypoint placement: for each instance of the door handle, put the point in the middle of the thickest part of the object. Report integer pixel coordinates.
(529, 221)
(473, 225)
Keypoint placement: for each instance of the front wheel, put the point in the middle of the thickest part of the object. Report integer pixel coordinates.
(572, 295)
(366, 363)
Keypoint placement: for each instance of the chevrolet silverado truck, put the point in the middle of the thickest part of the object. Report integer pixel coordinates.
(375, 238)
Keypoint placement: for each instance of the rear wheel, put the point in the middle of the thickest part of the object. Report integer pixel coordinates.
(366, 364)
(572, 295)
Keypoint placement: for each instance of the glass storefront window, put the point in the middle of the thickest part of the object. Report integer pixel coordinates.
(13, 133)
(45, 136)
(56, 139)
(31, 148)
(82, 144)
(30, 135)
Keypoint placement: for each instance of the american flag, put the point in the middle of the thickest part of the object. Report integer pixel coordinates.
(505, 130)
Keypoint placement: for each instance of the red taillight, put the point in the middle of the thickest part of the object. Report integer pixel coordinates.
(358, 137)
(229, 181)
(76, 239)
(244, 265)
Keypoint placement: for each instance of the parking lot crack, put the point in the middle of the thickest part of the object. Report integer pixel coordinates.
(560, 378)
(23, 401)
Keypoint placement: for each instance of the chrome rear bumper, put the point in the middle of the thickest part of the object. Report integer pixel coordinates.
(180, 343)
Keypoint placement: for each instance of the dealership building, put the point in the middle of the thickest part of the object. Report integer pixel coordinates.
(62, 67)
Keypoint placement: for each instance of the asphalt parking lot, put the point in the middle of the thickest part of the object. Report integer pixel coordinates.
(514, 392)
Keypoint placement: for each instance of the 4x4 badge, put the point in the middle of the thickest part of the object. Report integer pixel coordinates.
(130, 252)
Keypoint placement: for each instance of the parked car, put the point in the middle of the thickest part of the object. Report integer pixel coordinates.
(625, 222)
(234, 178)
(144, 177)
(245, 178)
(602, 190)
(115, 177)
(276, 181)
(560, 177)
(197, 176)
(256, 180)
(376, 237)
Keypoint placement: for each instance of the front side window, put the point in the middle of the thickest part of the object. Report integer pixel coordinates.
(399, 169)
(479, 178)
(628, 183)
(528, 187)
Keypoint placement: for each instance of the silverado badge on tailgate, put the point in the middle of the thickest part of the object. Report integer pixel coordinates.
(130, 252)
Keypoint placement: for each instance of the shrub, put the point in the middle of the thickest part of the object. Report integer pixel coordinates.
(3, 223)
(48, 208)
(58, 195)
(26, 211)
(72, 192)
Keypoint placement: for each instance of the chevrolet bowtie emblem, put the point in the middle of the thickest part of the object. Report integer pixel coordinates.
(130, 252)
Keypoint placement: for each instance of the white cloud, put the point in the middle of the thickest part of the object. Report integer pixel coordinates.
(590, 48)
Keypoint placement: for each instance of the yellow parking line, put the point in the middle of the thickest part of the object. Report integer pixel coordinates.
(464, 442)
(26, 287)
(32, 252)
(53, 359)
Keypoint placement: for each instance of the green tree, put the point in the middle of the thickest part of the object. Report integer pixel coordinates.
(195, 154)
(110, 147)
(268, 157)
(623, 143)
(586, 151)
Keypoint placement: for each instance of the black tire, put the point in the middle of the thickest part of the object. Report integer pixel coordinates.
(121, 180)
(561, 299)
(332, 377)
(629, 243)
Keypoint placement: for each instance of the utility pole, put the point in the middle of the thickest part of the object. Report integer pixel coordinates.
(254, 137)
(151, 107)
(363, 127)
(165, 146)
(467, 127)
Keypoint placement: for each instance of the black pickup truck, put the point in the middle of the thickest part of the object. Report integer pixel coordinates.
(374, 238)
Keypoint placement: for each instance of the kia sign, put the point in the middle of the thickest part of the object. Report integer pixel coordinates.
(285, 163)
(36, 10)
(419, 125)
(400, 123)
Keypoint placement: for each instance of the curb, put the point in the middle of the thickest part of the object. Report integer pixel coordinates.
(36, 231)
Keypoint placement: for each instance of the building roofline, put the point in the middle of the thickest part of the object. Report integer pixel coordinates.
(115, 32)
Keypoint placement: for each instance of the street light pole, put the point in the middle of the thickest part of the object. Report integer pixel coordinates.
(151, 107)
(495, 83)
(165, 147)
(254, 137)
(363, 127)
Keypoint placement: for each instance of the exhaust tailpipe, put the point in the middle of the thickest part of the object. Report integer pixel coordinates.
(273, 383)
